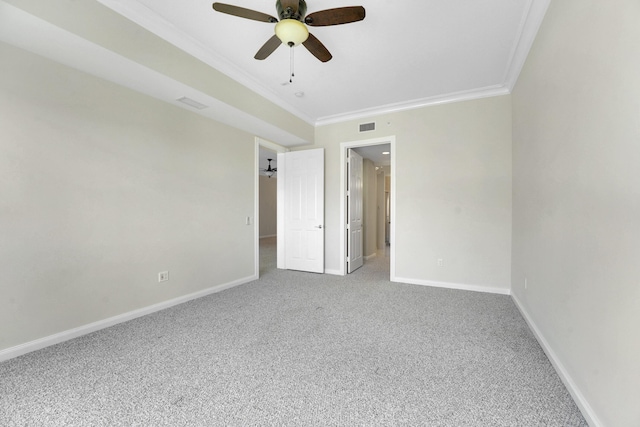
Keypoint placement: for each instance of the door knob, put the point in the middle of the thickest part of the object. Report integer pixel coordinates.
(318, 226)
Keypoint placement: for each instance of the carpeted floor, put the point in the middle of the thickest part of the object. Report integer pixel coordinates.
(299, 349)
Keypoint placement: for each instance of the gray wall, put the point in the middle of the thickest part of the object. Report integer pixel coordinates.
(576, 198)
(268, 206)
(453, 190)
(100, 189)
(127, 39)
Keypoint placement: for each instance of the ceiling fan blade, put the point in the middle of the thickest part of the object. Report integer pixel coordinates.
(243, 13)
(316, 48)
(268, 48)
(340, 15)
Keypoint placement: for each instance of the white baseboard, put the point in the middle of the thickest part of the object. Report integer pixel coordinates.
(334, 272)
(578, 397)
(368, 257)
(450, 285)
(40, 343)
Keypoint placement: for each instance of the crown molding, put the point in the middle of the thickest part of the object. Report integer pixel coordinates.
(31, 33)
(529, 26)
(149, 20)
(528, 29)
(485, 92)
(532, 18)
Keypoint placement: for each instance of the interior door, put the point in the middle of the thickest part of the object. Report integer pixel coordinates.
(304, 210)
(354, 211)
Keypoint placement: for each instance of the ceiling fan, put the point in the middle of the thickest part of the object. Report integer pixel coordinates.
(269, 171)
(291, 29)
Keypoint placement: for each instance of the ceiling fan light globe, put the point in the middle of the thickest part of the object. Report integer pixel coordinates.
(292, 32)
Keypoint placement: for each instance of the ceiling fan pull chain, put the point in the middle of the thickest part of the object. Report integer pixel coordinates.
(291, 65)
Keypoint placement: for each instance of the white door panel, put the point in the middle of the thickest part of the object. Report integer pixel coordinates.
(354, 206)
(304, 210)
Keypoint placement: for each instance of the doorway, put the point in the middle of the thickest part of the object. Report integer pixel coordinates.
(379, 228)
(266, 219)
(267, 199)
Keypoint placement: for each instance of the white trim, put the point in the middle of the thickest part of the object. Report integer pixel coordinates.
(529, 26)
(451, 285)
(587, 411)
(29, 32)
(530, 23)
(394, 217)
(486, 92)
(368, 257)
(344, 146)
(271, 145)
(531, 20)
(141, 15)
(256, 207)
(516, 46)
(50, 340)
(280, 202)
(333, 272)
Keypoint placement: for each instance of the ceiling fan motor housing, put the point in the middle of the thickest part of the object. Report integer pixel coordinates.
(291, 28)
(290, 14)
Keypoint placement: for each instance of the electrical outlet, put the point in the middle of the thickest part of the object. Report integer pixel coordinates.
(163, 276)
(440, 262)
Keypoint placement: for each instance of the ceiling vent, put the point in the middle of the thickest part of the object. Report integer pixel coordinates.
(367, 127)
(190, 102)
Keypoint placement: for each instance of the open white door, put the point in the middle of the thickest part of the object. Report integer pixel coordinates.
(304, 210)
(354, 208)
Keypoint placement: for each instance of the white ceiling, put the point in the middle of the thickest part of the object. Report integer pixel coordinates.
(402, 55)
(374, 153)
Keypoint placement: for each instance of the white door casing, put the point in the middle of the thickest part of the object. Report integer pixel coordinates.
(355, 211)
(304, 210)
(343, 235)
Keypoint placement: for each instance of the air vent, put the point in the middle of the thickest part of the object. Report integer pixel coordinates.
(366, 127)
(190, 102)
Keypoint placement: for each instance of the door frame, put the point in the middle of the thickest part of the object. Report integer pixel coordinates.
(259, 142)
(344, 146)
